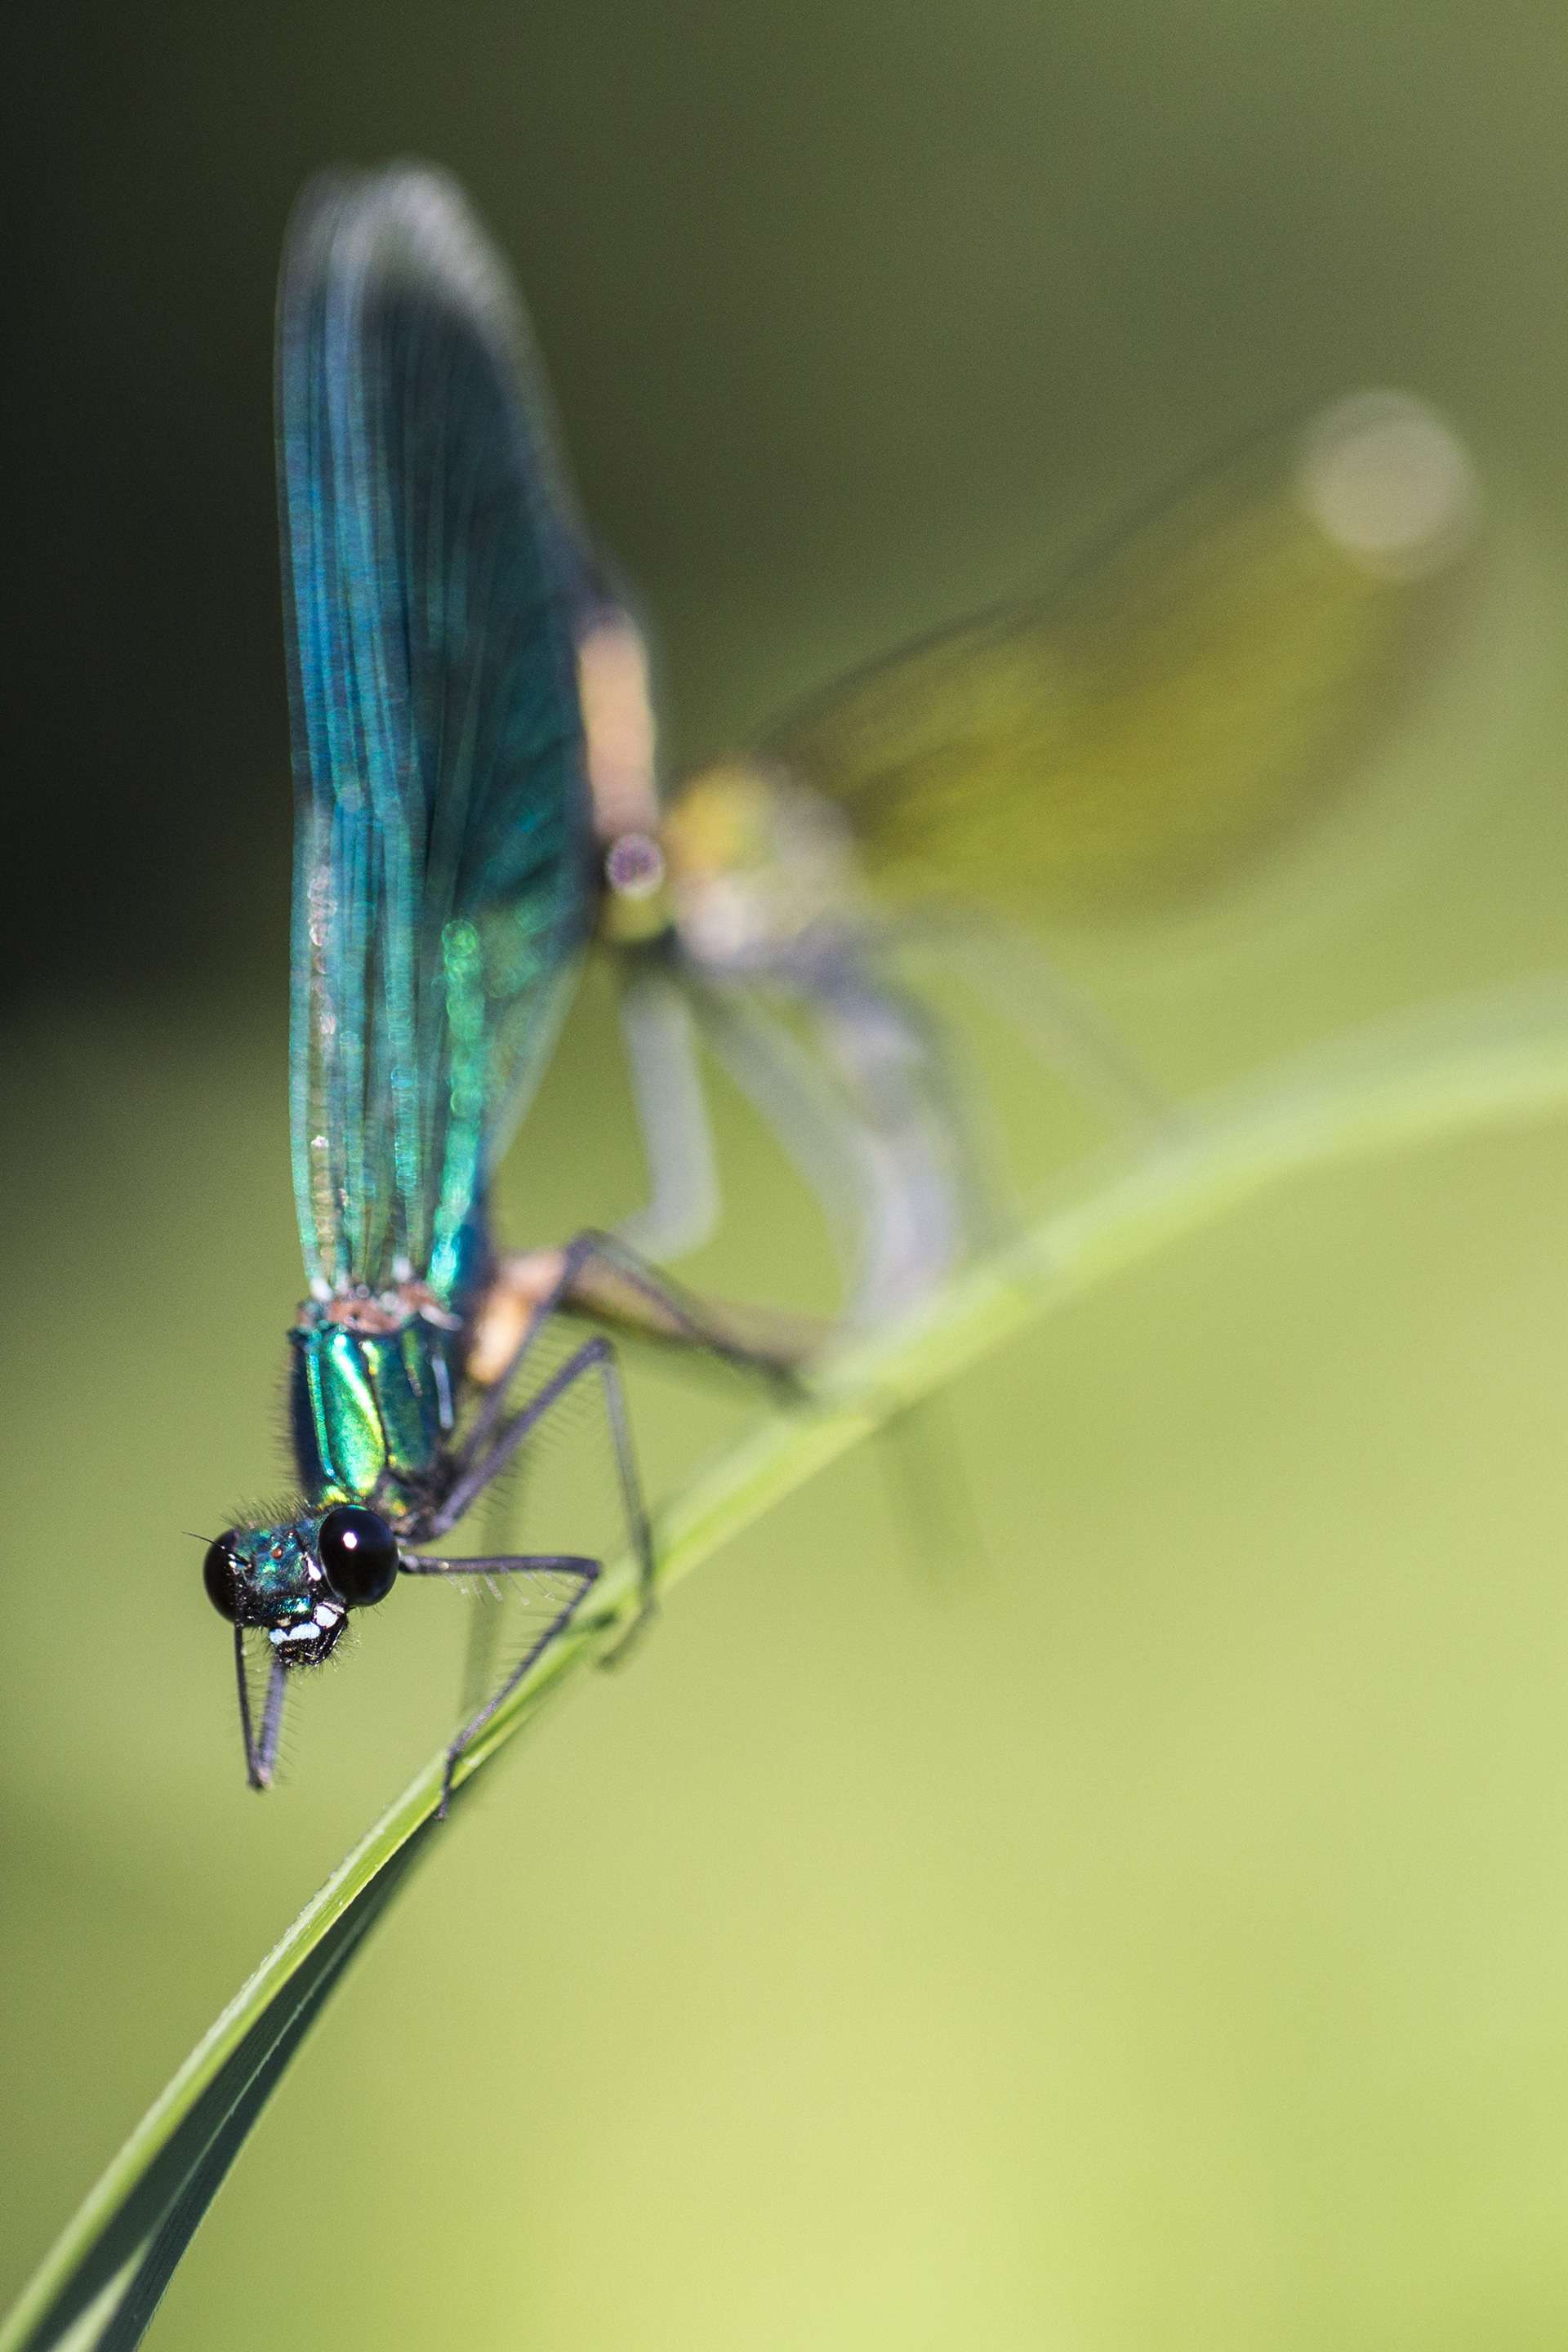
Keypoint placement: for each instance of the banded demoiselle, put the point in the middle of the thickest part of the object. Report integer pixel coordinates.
(1176, 708)
(445, 884)
(461, 835)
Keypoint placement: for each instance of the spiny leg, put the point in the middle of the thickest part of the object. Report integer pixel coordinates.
(494, 1439)
(494, 1518)
(604, 1280)
(260, 1746)
(596, 1277)
(586, 1572)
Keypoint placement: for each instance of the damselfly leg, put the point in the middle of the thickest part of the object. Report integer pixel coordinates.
(593, 1277)
(554, 1570)
(261, 1676)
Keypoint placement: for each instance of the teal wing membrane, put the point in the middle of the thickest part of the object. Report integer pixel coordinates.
(433, 562)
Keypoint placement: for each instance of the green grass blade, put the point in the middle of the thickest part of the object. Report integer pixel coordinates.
(101, 2283)
(1491, 1062)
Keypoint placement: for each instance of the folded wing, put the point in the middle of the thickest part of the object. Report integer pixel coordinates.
(432, 564)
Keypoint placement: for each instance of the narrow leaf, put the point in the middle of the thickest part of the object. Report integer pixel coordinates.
(1488, 1062)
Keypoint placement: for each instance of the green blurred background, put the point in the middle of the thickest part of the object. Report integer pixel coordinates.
(1157, 1935)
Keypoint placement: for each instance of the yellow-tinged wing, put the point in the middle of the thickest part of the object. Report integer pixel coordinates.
(1179, 705)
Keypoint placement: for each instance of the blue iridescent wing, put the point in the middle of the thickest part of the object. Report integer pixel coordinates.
(432, 562)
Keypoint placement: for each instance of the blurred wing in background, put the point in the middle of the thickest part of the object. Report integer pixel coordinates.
(432, 561)
(1183, 702)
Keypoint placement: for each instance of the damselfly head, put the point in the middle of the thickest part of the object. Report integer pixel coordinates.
(757, 861)
(296, 1581)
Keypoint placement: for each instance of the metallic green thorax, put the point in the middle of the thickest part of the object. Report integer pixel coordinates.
(371, 1410)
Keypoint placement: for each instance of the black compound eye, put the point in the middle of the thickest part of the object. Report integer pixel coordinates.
(218, 1575)
(359, 1552)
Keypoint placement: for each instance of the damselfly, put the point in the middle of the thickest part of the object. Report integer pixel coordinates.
(445, 882)
(461, 833)
(1178, 706)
